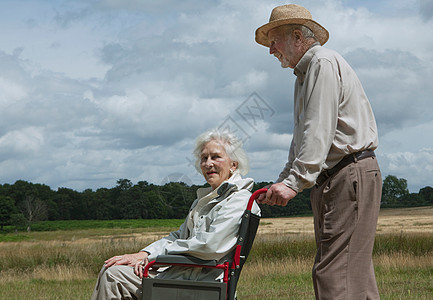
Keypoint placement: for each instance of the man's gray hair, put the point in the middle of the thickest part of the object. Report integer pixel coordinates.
(306, 32)
(232, 146)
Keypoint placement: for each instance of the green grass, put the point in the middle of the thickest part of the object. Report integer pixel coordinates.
(37, 289)
(92, 224)
(414, 244)
(280, 267)
(280, 247)
(406, 283)
(277, 287)
(16, 237)
(74, 229)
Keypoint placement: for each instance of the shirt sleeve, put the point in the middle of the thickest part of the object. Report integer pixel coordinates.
(319, 119)
(286, 171)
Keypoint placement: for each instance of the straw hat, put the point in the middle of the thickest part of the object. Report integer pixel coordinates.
(291, 14)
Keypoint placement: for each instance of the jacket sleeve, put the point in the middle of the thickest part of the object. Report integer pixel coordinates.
(216, 232)
(158, 247)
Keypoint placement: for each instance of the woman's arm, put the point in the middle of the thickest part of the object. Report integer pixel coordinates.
(218, 235)
(127, 259)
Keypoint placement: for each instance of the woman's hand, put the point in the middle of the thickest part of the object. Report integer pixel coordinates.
(139, 266)
(137, 260)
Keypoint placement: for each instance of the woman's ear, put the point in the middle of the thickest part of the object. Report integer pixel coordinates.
(234, 166)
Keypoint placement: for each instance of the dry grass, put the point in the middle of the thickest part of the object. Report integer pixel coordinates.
(395, 220)
(57, 272)
(293, 266)
(395, 261)
(279, 266)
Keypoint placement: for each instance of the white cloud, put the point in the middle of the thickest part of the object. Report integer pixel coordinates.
(11, 91)
(412, 166)
(26, 141)
(96, 91)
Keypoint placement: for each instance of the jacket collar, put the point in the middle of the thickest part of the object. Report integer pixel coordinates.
(233, 184)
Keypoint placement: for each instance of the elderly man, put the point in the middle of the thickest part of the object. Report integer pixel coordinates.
(332, 151)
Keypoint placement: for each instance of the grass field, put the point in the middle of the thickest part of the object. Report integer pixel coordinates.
(63, 264)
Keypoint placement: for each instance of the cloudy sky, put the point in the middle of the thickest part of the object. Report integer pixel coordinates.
(94, 91)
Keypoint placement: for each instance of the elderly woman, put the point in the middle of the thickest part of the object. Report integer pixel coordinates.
(210, 230)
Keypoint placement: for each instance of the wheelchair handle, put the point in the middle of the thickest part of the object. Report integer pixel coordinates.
(254, 196)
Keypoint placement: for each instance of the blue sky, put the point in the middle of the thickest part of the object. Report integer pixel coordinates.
(95, 91)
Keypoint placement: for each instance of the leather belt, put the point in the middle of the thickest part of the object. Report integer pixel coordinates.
(348, 159)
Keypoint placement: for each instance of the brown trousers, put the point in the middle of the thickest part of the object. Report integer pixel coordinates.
(346, 208)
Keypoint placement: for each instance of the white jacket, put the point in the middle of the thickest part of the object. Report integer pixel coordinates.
(210, 233)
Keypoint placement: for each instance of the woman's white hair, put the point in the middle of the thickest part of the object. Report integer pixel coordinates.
(231, 143)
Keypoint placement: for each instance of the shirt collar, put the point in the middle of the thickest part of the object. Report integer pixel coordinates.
(302, 66)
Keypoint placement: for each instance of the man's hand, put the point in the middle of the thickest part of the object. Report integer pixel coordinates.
(277, 194)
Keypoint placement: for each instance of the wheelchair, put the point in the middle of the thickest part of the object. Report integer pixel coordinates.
(167, 289)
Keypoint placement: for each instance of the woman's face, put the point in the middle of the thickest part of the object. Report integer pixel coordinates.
(215, 163)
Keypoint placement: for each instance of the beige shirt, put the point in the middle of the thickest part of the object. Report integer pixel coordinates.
(332, 116)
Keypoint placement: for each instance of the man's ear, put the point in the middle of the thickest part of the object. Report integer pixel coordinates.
(235, 165)
(298, 36)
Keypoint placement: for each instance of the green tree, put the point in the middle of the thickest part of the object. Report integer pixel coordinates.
(124, 184)
(427, 195)
(7, 209)
(178, 197)
(63, 200)
(156, 208)
(394, 191)
(100, 206)
(33, 210)
(18, 220)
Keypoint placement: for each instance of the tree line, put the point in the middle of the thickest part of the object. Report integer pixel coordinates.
(24, 203)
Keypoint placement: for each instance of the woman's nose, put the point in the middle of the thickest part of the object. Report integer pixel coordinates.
(208, 163)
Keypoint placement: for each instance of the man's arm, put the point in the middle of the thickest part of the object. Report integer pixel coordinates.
(320, 122)
(277, 194)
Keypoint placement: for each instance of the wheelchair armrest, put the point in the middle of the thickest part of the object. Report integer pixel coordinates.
(184, 259)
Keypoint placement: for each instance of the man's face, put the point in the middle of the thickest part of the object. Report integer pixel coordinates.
(282, 46)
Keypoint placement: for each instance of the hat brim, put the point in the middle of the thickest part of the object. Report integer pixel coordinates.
(319, 31)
